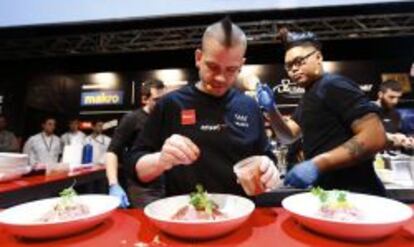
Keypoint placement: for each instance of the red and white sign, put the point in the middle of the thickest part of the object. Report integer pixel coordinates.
(188, 117)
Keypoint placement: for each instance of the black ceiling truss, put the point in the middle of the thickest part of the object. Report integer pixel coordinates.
(188, 37)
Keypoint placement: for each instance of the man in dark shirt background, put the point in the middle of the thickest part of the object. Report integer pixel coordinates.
(389, 95)
(341, 129)
(122, 140)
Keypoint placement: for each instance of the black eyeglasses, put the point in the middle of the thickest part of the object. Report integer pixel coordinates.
(298, 61)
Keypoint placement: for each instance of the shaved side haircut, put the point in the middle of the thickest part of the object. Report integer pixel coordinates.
(226, 33)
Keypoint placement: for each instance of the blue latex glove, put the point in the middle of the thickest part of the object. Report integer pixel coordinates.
(265, 97)
(302, 175)
(116, 190)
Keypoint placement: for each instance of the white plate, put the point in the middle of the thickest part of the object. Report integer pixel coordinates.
(381, 216)
(22, 219)
(10, 174)
(11, 160)
(237, 208)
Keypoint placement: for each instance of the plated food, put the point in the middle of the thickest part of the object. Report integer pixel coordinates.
(199, 215)
(348, 215)
(68, 207)
(336, 206)
(59, 216)
(199, 207)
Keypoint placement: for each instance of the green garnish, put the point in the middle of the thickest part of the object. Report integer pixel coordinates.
(201, 201)
(324, 196)
(67, 196)
(321, 193)
(68, 193)
(341, 197)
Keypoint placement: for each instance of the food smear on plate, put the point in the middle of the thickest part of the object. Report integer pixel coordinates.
(67, 208)
(200, 207)
(336, 206)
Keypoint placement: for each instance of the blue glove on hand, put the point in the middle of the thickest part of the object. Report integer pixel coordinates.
(265, 97)
(116, 190)
(302, 175)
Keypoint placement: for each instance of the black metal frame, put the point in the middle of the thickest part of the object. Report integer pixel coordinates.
(188, 37)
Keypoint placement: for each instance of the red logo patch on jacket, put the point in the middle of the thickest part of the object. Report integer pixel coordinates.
(188, 117)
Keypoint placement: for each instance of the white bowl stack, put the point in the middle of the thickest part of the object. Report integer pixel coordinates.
(13, 165)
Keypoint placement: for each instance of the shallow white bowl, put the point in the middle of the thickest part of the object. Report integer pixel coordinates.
(237, 208)
(22, 219)
(381, 216)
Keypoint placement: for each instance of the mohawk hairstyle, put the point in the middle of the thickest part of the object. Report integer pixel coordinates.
(225, 32)
(293, 39)
(228, 31)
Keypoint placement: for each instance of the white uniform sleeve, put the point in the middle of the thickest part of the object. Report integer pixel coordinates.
(28, 149)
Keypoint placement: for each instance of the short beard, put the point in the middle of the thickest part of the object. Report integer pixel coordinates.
(385, 105)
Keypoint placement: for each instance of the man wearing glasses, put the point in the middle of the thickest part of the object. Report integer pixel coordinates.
(340, 127)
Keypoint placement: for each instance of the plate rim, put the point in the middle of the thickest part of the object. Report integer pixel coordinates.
(319, 218)
(200, 222)
(35, 224)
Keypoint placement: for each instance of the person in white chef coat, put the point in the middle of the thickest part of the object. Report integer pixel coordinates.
(99, 142)
(45, 147)
(74, 135)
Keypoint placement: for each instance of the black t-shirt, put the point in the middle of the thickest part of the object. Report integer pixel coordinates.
(226, 129)
(123, 139)
(325, 115)
(391, 120)
(127, 131)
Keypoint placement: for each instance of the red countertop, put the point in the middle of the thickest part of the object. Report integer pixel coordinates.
(266, 227)
(32, 180)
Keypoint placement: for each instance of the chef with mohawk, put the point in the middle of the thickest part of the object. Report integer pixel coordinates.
(198, 133)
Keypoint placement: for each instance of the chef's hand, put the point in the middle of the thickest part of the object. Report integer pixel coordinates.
(408, 142)
(265, 97)
(267, 174)
(117, 191)
(398, 139)
(178, 150)
(302, 175)
(270, 174)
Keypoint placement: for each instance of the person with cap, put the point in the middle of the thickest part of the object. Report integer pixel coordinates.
(340, 127)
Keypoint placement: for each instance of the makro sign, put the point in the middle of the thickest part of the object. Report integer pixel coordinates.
(93, 98)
